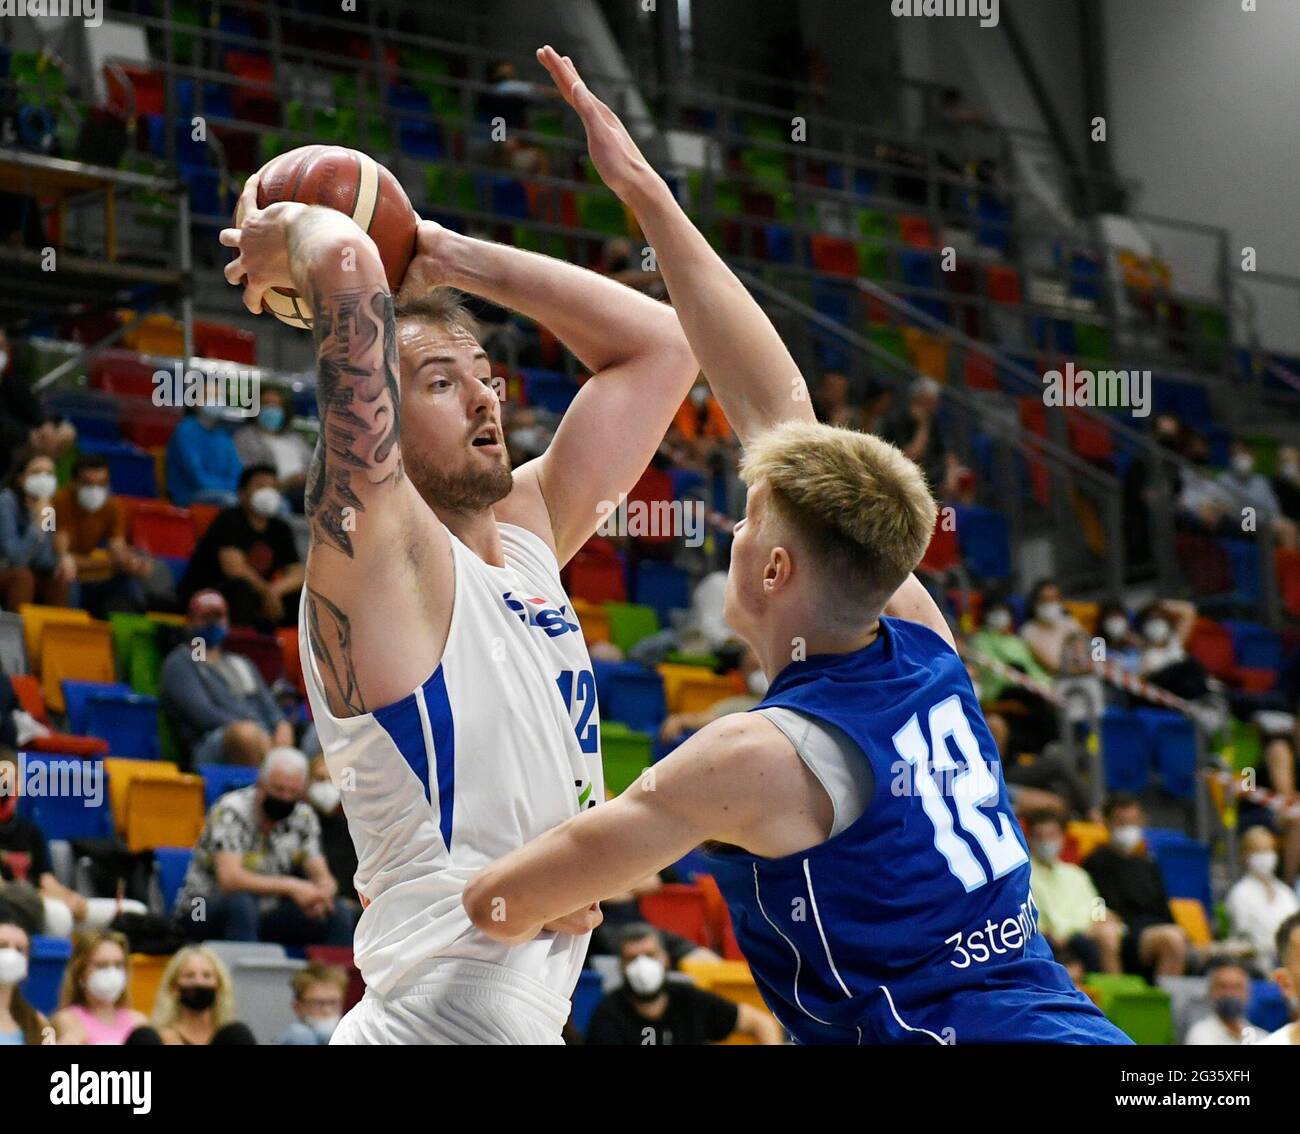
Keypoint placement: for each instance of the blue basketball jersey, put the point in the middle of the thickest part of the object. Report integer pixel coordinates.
(915, 923)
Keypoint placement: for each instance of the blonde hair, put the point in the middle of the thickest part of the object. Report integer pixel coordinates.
(442, 308)
(316, 973)
(84, 945)
(167, 1005)
(855, 503)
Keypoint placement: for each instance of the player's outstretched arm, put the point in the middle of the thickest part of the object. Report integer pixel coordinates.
(632, 345)
(736, 781)
(747, 365)
(360, 506)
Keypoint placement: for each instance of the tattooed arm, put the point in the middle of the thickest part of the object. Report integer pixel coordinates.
(379, 583)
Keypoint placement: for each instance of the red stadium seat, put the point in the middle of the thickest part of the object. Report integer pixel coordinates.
(596, 574)
(262, 650)
(679, 909)
(916, 232)
(27, 688)
(980, 372)
(1089, 437)
(202, 515)
(834, 255)
(218, 340)
(1003, 284)
(942, 555)
(1211, 645)
(161, 529)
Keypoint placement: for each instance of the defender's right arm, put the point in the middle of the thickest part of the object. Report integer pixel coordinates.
(379, 578)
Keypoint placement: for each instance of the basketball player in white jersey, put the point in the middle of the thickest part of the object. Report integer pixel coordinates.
(446, 671)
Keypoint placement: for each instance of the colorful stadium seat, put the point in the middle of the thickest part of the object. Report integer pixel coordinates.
(164, 812)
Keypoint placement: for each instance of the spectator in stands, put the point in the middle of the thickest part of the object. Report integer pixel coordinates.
(1259, 900)
(31, 568)
(1278, 771)
(24, 424)
(699, 429)
(318, 992)
(1130, 884)
(95, 1000)
(218, 701)
(336, 841)
(1152, 485)
(650, 1009)
(1286, 482)
(1020, 719)
(202, 462)
(1250, 490)
(1123, 646)
(1164, 661)
(831, 401)
(914, 428)
(526, 435)
(258, 873)
(1229, 999)
(616, 261)
(27, 879)
(623, 910)
(1287, 978)
(1070, 913)
(1050, 626)
(91, 528)
(20, 1023)
(507, 103)
(249, 555)
(1204, 503)
(195, 1006)
(271, 442)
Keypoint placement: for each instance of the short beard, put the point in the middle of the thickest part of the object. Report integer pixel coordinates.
(461, 491)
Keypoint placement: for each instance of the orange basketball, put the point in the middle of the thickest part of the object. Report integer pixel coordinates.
(353, 183)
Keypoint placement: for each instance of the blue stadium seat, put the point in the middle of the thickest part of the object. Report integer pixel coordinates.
(684, 480)
(1184, 864)
(79, 809)
(509, 198)
(779, 244)
(130, 470)
(172, 864)
(1173, 741)
(550, 389)
(586, 996)
(1243, 560)
(985, 542)
(1268, 1008)
(664, 586)
(917, 268)
(127, 720)
(836, 301)
(1255, 646)
(221, 778)
(634, 696)
(49, 957)
(1125, 751)
(77, 693)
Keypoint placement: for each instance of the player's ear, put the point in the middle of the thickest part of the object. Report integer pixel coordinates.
(777, 571)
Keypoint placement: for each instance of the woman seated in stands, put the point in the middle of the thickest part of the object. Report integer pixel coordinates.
(31, 569)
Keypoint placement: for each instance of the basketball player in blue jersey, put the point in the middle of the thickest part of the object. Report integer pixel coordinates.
(856, 820)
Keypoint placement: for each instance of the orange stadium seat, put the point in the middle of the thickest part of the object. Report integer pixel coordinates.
(36, 618)
(146, 978)
(594, 620)
(704, 690)
(122, 772)
(1189, 914)
(163, 812)
(82, 651)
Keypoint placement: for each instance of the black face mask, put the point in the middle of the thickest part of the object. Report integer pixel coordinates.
(198, 998)
(277, 809)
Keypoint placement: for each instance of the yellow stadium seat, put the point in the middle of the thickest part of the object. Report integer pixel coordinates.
(121, 772)
(82, 651)
(146, 978)
(694, 695)
(165, 618)
(155, 334)
(1190, 916)
(1087, 836)
(732, 981)
(35, 618)
(1085, 614)
(928, 353)
(594, 620)
(164, 812)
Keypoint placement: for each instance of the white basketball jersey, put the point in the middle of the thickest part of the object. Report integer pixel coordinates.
(500, 743)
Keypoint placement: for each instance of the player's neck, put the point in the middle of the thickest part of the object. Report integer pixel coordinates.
(478, 531)
(796, 637)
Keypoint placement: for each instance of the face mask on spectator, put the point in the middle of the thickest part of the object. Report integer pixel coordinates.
(40, 485)
(1126, 838)
(1262, 864)
(197, 998)
(213, 634)
(106, 984)
(1229, 1007)
(1289, 470)
(999, 620)
(324, 796)
(277, 809)
(92, 497)
(271, 418)
(1156, 631)
(266, 502)
(1049, 850)
(699, 395)
(1050, 611)
(645, 976)
(1116, 626)
(1243, 464)
(324, 1026)
(13, 966)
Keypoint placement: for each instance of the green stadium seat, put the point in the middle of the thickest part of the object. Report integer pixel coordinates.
(625, 754)
(602, 212)
(873, 262)
(1092, 342)
(629, 622)
(890, 339)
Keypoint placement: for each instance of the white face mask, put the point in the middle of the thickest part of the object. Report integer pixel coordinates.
(999, 620)
(1126, 838)
(1116, 626)
(92, 497)
(106, 984)
(1289, 470)
(645, 975)
(1243, 464)
(41, 485)
(324, 1026)
(757, 683)
(1156, 631)
(1262, 864)
(13, 966)
(699, 395)
(324, 796)
(1049, 611)
(1049, 850)
(265, 502)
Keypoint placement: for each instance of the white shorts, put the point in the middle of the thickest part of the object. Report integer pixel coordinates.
(458, 1002)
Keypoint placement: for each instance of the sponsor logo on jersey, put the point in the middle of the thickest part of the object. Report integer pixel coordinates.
(533, 611)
